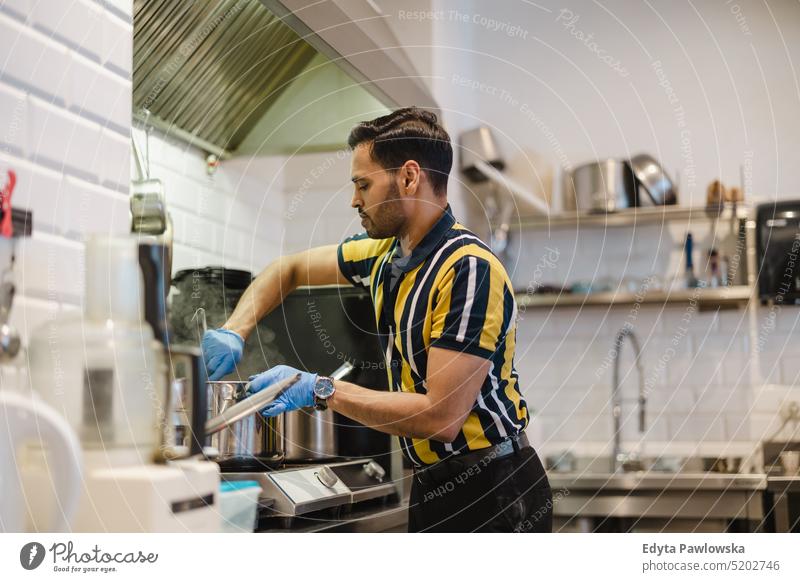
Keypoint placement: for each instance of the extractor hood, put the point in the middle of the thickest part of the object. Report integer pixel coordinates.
(258, 77)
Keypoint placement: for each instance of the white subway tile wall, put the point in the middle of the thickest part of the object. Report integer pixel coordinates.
(65, 101)
(65, 126)
(318, 192)
(233, 217)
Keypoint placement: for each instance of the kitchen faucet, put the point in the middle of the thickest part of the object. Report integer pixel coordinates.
(620, 460)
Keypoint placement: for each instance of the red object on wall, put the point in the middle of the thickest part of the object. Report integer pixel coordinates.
(6, 225)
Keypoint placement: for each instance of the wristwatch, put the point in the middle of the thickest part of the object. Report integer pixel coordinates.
(323, 389)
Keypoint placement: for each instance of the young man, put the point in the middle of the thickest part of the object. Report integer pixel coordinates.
(446, 315)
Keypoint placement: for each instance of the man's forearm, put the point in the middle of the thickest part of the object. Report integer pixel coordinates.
(263, 295)
(397, 413)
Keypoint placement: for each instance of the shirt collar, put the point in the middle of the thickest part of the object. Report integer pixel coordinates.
(426, 246)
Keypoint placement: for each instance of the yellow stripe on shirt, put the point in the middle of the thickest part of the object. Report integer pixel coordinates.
(365, 248)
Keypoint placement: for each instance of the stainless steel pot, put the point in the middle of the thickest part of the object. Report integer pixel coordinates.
(602, 186)
(244, 437)
(311, 434)
(252, 436)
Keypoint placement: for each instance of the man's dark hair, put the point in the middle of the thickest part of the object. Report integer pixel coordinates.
(406, 134)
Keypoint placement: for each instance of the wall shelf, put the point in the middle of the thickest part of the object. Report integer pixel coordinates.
(631, 217)
(710, 298)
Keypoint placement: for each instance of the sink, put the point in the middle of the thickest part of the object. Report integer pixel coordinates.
(567, 463)
(655, 474)
(683, 493)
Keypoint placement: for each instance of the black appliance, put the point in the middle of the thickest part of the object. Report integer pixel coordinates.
(314, 329)
(778, 251)
(319, 328)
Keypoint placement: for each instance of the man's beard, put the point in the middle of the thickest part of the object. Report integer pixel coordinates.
(387, 218)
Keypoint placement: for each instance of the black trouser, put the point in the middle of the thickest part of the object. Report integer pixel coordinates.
(483, 494)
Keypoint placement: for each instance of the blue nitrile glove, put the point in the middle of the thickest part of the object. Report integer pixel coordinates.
(222, 350)
(298, 395)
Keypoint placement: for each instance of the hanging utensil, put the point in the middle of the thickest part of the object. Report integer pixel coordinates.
(9, 337)
(199, 318)
(149, 204)
(10, 342)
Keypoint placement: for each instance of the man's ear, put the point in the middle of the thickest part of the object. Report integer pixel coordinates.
(410, 177)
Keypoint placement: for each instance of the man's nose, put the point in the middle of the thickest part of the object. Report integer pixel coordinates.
(356, 201)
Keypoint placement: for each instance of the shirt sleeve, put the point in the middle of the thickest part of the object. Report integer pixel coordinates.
(474, 308)
(357, 256)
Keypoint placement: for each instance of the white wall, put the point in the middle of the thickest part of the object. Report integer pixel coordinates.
(727, 67)
(65, 124)
(232, 217)
(65, 100)
(725, 95)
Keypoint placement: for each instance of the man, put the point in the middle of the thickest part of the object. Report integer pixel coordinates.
(446, 315)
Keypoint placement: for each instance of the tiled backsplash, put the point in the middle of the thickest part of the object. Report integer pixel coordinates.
(232, 217)
(65, 122)
(710, 388)
(65, 100)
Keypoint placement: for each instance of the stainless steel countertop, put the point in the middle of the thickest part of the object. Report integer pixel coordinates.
(654, 481)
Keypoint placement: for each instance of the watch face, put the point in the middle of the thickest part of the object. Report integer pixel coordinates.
(323, 388)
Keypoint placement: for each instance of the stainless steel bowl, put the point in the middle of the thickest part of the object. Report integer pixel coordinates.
(653, 179)
(602, 186)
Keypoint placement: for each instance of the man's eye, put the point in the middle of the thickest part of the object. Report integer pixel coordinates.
(364, 187)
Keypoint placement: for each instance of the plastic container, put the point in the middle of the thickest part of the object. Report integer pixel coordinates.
(238, 505)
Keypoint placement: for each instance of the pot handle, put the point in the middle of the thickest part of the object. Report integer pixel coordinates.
(342, 371)
(199, 404)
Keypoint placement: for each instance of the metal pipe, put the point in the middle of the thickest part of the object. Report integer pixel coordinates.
(617, 457)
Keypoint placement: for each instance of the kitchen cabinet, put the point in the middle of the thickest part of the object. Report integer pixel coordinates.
(658, 502)
(784, 503)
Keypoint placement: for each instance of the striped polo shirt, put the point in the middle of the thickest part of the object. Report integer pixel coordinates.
(451, 292)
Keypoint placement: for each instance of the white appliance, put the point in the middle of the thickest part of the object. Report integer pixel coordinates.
(120, 493)
(179, 496)
(25, 420)
(107, 379)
